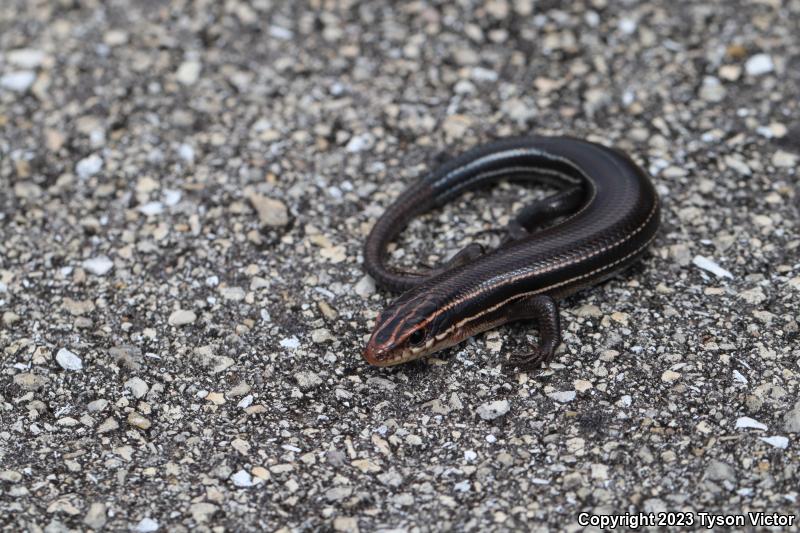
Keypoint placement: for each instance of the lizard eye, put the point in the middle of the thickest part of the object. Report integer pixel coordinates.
(416, 338)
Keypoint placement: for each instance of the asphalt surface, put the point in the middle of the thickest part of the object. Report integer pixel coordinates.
(185, 188)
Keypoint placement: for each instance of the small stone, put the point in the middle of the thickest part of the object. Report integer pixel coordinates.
(730, 72)
(335, 254)
(492, 410)
(137, 420)
(745, 422)
(89, 166)
(759, 64)
(709, 265)
(753, 296)
(627, 25)
(346, 524)
(670, 376)
(621, 318)
(181, 317)
(680, 253)
(30, 381)
(27, 58)
(572, 480)
(217, 398)
(562, 396)
(146, 525)
(68, 360)
(307, 380)
(260, 472)
(582, 385)
(97, 405)
(96, 516)
(188, 72)
(791, 422)
(365, 286)
(290, 343)
(239, 389)
(456, 127)
(359, 143)
(719, 471)
(737, 164)
(109, 424)
(776, 441)
(19, 81)
(271, 213)
(366, 466)
(336, 494)
(12, 476)
(115, 38)
(151, 209)
(242, 479)
(589, 310)
(599, 471)
(712, 90)
(202, 511)
(321, 335)
(99, 266)
(233, 294)
(785, 159)
(137, 386)
(78, 307)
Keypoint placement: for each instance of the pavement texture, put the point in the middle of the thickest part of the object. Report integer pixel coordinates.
(185, 189)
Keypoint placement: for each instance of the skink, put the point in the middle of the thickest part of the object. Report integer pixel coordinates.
(609, 214)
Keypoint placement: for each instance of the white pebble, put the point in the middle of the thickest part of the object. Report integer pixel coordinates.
(172, 196)
(357, 143)
(739, 377)
(365, 287)
(290, 343)
(19, 81)
(462, 486)
(89, 166)
(137, 386)
(492, 410)
(99, 266)
(470, 455)
(186, 152)
(709, 265)
(627, 26)
(68, 360)
(151, 208)
(280, 33)
(745, 422)
(776, 441)
(181, 317)
(563, 396)
(146, 525)
(189, 72)
(26, 57)
(242, 478)
(245, 402)
(759, 64)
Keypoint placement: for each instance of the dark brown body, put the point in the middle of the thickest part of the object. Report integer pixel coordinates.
(616, 218)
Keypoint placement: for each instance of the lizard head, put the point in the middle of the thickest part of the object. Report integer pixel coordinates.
(413, 326)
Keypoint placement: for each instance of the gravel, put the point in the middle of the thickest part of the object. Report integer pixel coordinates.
(186, 189)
